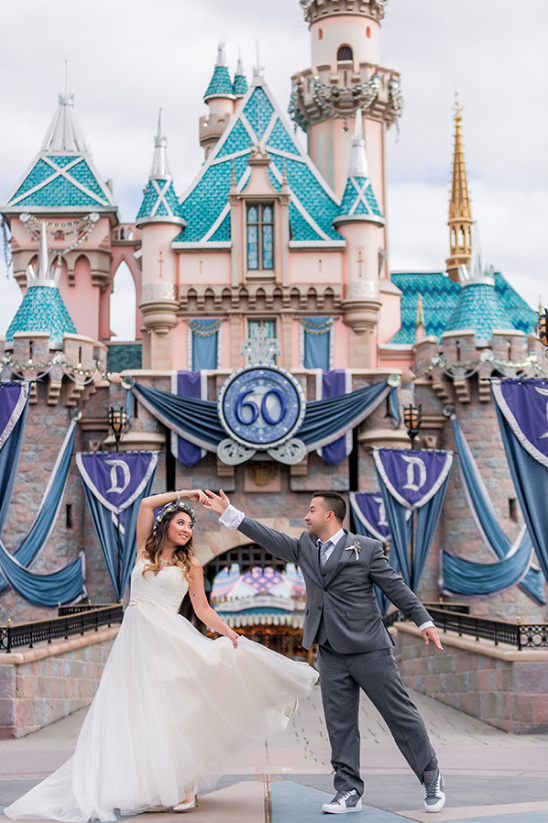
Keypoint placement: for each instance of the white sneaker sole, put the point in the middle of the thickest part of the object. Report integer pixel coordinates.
(327, 808)
(439, 805)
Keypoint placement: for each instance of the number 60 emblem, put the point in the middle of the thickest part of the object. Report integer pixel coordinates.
(261, 406)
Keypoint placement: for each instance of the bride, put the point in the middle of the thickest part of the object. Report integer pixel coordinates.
(172, 706)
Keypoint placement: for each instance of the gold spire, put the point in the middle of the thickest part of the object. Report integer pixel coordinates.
(420, 313)
(460, 211)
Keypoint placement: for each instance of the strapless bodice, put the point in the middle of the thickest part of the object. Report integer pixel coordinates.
(164, 590)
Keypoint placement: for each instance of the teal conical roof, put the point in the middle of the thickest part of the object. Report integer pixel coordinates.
(220, 84)
(42, 308)
(358, 201)
(240, 80)
(62, 175)
(160, 203)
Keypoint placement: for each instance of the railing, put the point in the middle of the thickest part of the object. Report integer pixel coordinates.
(84, 619)
(521, 635)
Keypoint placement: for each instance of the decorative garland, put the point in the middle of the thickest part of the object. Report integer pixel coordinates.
(200, 330)
(468, 369)
(57, 360)
(83, 227)
(322, 327)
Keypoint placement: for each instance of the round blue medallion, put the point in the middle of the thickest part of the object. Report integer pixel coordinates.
(261, 406)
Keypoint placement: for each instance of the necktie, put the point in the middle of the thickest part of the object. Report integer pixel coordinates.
(324, 548)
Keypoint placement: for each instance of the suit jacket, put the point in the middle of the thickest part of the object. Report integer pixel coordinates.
(340, 599)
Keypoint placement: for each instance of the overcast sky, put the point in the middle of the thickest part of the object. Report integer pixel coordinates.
(128, 58)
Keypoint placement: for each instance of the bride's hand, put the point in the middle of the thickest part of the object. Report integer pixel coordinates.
(196, 495)
(233, 637)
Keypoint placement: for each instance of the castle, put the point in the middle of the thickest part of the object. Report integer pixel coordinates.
(268, 237)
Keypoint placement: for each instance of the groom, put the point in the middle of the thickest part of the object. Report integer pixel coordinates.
(354, 647)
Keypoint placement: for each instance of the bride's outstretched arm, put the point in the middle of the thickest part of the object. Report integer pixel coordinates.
(145, 518)
(202, 609)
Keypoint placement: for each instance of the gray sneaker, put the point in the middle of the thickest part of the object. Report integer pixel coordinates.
(343, 803)
(434, 798)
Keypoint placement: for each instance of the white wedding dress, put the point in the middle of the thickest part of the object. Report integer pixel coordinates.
(172, 708)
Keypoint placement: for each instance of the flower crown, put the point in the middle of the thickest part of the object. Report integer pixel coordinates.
(177, 505)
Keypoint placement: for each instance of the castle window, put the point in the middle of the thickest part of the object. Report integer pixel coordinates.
(368, 31)
(260, 236)
(320, 34)
(269, 324)
(344, 53)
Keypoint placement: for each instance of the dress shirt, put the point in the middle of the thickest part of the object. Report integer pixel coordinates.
(334, 539)
(232, 517)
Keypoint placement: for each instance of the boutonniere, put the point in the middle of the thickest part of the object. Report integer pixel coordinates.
(355, 548)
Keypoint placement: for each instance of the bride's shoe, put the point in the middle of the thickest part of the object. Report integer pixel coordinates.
(186, 805)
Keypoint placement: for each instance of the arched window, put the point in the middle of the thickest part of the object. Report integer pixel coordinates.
(344, 53)
(260, 236)
(122, 304)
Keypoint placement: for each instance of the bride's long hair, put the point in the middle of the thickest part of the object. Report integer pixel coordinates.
(155, 543)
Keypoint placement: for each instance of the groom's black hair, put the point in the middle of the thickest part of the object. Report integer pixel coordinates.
(334, 502)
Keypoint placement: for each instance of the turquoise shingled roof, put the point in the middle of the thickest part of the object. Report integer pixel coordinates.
(42, 310)
(359, 199)
(479, 308)
(56, 181)
(240, 85)
(258, 121)
(440, 297)
(220, 84)
(159, 200)
(123, 356)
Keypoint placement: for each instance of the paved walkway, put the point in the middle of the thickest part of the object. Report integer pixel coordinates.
(491, 777)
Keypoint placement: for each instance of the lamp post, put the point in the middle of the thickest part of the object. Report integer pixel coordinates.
(543, 329)
(412, 418)
(117, 420)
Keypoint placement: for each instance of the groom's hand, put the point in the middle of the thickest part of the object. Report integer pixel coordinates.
(431, 634)
(216, 502)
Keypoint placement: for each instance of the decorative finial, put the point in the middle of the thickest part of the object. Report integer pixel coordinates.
(42, 275)
(160, 166)
(420, 313)
(258, 70)
(358, 161)
(221, 55)
(457, 107)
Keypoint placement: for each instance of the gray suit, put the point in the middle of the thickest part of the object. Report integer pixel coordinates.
(355, 649)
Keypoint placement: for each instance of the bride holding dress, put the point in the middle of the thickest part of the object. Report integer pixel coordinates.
(172, 706)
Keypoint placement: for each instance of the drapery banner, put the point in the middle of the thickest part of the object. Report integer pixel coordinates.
(369, 512)
(114, 485)
(409, 481)
(334, 384)
(317, 342)
(324, 420)
(14, 401)
(522, 413)
(204, 342)
(458, 576)
(188, 384)
(65, 585)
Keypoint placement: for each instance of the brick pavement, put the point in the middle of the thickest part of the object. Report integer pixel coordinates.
(491, 776)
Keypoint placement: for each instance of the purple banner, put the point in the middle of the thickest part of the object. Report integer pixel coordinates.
(368, 508)
(524, 404)
(333, 384)
(412, 477)
(116, 479)
(13, 399)
(188, 384)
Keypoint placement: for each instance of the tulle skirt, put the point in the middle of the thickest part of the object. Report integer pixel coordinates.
(172, 708)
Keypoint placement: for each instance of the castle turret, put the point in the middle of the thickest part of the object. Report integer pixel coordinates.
(240, 80)
(220, 99)
(460, 210)
(358, 220)
(345, 78)
(160, 220)
(63, 190)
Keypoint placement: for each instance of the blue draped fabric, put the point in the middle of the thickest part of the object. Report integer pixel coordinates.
(394, 408)
(427, 520)
(65, 585)
(400, 524)
(471, 579)
(14, 402)
(365, 509)
(486, 520)
(317, 342)
(334, 384)
(327, 420)
(117, 538)
(187, 384)
(205, 343)
(531, 484)
(198, 420)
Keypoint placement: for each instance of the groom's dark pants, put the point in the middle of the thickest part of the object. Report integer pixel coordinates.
(341, 678)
